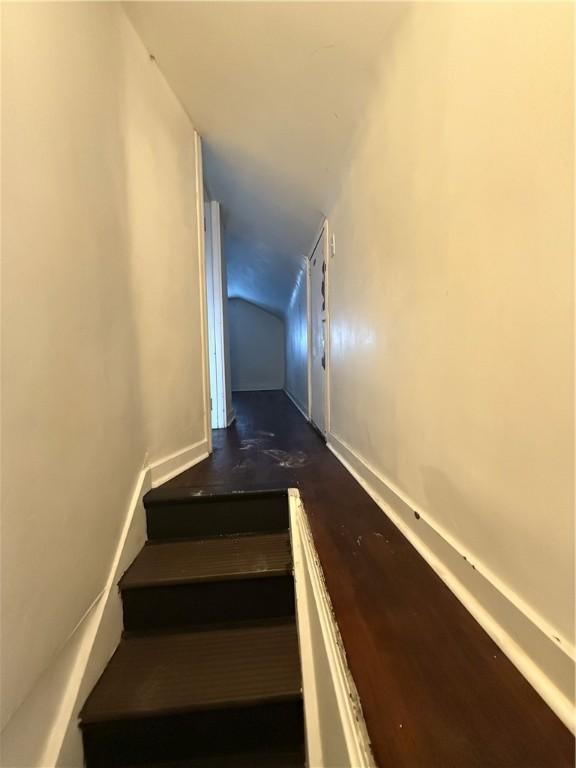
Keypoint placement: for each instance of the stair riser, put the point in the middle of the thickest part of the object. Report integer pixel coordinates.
(205, 603)
(184, 736)
(222, 517)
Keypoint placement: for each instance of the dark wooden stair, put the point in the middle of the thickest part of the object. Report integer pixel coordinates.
(209, 581)
(208, 670)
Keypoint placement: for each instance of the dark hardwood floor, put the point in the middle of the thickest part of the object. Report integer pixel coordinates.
(436, 691)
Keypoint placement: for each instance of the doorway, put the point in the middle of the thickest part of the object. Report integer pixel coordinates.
(221, 412)
(318, 329)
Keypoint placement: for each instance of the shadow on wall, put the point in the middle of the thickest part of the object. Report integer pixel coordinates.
(257, 356)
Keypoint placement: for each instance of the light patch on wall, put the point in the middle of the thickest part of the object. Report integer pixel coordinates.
(344, 336)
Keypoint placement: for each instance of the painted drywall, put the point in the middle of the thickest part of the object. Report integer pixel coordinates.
(257, 358)
(297, 341)
(101, 319)
(278, 91)
(451, 294)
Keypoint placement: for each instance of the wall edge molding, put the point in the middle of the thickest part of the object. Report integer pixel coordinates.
(85, 635)
(307, 563)
(89, 646)
(169, 466)
(296, 403)
(391, 500)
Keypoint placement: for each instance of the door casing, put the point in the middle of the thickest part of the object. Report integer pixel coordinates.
(319, 332)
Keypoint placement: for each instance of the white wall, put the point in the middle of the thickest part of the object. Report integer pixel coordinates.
(297, 342)
(256, 347)
(101, 321)
(451, 295)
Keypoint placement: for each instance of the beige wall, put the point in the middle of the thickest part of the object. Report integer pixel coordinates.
(257, 354)
(452, 290)
(101, 310)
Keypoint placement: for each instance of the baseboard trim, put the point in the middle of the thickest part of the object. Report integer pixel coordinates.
(73, 672)
(29, 738)
(319, 634)
(296, 403)
(532, 646)
(165, 469)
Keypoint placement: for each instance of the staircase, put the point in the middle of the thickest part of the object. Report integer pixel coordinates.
(208, 669)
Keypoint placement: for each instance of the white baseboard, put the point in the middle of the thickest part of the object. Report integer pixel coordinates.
(296, 403)
(44, 731)
(165, 469)
(327, 684)
(539, 652)
(230, 416)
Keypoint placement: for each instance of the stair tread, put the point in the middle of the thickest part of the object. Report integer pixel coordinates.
(169, 673)
(213, 559)
(261, 759)
(166, 494)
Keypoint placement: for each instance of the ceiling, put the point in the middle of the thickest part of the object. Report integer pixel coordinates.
(277, 90)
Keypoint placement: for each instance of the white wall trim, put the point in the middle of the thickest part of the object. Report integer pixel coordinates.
(61, 687)
(327, 339)
(526, 628)
(324, 232)
(165, 469)
(215, 311)
(75, 668)
(320, 731)
(202, 288)
(309, 330)
(296, 403)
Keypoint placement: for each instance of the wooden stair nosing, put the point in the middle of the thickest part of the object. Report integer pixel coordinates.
(160, 674)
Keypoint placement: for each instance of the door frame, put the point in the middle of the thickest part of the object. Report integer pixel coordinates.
(216, 316)
(200, 223)
(324, 230)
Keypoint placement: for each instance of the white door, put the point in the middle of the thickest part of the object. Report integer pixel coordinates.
(217, 333)
(318, 318)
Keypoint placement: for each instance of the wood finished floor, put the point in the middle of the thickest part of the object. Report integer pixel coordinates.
(436, 691)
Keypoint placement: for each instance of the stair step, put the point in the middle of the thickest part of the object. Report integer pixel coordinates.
(153, 674)
(226, 558)
(186, 513)
(261, 759)
(177, 696)
(209, 581)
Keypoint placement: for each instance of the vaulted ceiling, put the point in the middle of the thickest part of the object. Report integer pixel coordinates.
(277, 91)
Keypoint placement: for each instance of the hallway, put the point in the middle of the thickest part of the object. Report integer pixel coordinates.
(301, 272)
(435, 689)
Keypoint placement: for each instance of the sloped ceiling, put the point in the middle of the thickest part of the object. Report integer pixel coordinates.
(277, 91)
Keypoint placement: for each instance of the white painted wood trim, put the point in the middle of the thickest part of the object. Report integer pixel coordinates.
(325, 232)
(202, 290)
(309, 332)
(464, 575)
(168, 467)
(219, 311)
(351, 719)
(49, 713)
(215, 309)
(296, 403)
(75, 669)
(327, 349)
